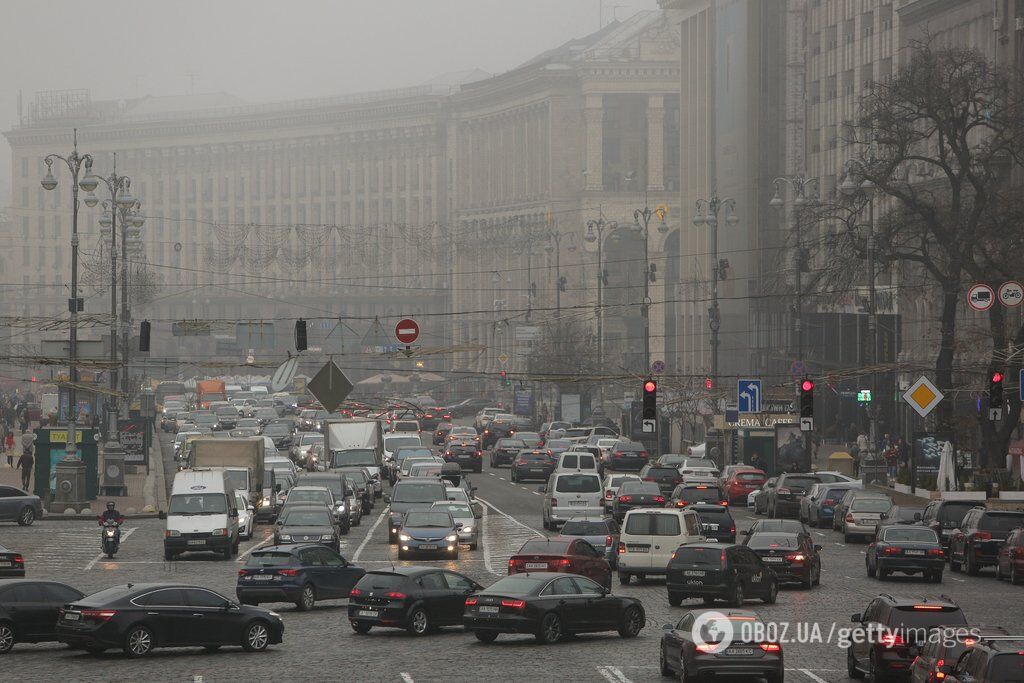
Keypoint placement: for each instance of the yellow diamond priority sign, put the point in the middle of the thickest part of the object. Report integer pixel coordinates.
(923, 396)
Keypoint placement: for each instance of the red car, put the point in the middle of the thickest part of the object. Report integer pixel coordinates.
(742, 482)
(562, 554)
(1010, 558)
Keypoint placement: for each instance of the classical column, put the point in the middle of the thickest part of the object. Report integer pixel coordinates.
(655, 143)
(594, 117)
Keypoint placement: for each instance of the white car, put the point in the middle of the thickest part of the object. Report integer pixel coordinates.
(831, 477)
(750, 497)
(246, 516)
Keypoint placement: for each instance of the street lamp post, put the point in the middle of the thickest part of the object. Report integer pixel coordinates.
(75, 163)
(850, 188)
(645, 214)
(555, 245)
(595, 233)
(805, 196)
(706, 213)
(131, 221)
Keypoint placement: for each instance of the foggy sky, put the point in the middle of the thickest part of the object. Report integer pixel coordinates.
(268, 50)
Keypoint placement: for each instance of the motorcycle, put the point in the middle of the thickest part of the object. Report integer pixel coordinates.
(111, 536)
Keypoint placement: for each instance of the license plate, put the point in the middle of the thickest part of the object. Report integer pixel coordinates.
(638, 548)
(536, 565)
(536, 469)
(694, 582)
(489, 610)
(694, 573)
(72, 616)
(197, 541)
(740, 651)
(428, 546)
(577, 502)
(913, 552)
(774, 559)
(263, 577)
(369, 613)
(713, 527)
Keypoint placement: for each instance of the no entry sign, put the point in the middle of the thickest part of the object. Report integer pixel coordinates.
(407, 331)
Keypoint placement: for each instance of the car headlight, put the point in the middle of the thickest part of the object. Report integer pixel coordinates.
(467, 529)
(453, 537)
(172, 533)
(275, 615)
(341, 507)
(285, 537)
(219, 532)
(327, 537)
(404, 537)
(265, 503)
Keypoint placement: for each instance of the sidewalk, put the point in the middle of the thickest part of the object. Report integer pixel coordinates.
(146, 493)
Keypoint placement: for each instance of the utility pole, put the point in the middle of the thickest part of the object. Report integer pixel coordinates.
(706, 213)
(595, 233)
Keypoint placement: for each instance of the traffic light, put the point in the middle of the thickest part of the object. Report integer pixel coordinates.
(505, 381)
(300, 335)
(806, 398)
(708, 384)
(144, 336)
(650, 400)
(995, 389)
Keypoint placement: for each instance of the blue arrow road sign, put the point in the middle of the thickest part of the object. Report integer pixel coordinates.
(748, 395)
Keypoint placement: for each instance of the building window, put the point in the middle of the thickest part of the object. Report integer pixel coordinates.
(24, 228)
(24, 167)
(207, 189)
(240, 215)
(42, 228)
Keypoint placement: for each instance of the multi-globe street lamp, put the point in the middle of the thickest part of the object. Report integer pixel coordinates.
(706, 212)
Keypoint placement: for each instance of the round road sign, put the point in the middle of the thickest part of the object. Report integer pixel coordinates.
(980, 297)
(1011, 293)
(407, 331)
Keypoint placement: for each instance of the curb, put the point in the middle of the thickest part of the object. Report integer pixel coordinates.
(57, 517)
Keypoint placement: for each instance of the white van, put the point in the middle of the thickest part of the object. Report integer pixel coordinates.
(201, 514)
(648, 538)
(571, 494)
(576, 461)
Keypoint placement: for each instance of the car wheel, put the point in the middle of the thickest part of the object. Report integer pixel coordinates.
(954, 566)
(345, 529)
(871, 570)
(666, 670)
(138, 642)
(26, 516)
(999, 572)
(257, 637)
(226, 553)
(736, 600)
(6, 636)
(550, 629)
(874, 674)
(486, 636)
(361, 627)
(632, 622)
(937, 577)
(624, 578)
(307, 600)
(168, 556)
(808, 583)
(851, 666)
(882, 574)
(401, 555)
(773, 593)
(419, 622)
(847, 537)
(1014, 576)
(970, 565)
(674, 599)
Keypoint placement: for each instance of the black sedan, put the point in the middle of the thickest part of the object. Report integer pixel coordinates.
(12, 563)
(906, 549)
(418, 599)
(466, 455)
(695, 647)
(301, 574)
(140, 617)
(505, 451)
(550, 606)
(29, 610)
(307, 524)
(636, 494)
(716, 571)
(717, 522)
(532, 465)
(19, 506)
(793, 556)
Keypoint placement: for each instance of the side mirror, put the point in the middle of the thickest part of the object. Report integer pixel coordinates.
(856, 618)
(458, 525)
(277, 488)
(745, 532)
(817, 548)
(542, 489)
(387, 498)
(884, 515)
(667, 627)
(472, 488)
(161, 515)
(917, 516)
(250, 508)
(233, 512)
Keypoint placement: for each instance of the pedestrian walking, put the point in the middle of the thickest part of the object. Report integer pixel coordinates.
(9, 448)
(25, 464)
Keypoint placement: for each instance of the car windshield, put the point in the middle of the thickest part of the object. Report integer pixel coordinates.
(307, 518)
(951, 514)
(650, 524)
(510, 443)
(417, 493)
(556, 444)
(926, 616)
(515, 585)
(702, 556)
(307, 496)
(804, 483)
(762, 541)
(356, 476)
(394, 443)
(532, 456)
(311, 439)
(425, 469)
(634, 486)
(578, 483)
(455, 510)
(228, 411)
(543, 546)
(1001, 521)
(617, 481)
(914, 535)
(834, 495)
(403, 453)
(357, 456)
(584, 528)
(238, 479)
(750, 476)
(198, 504)
(277, 430)
(870, 505)
(269, 559)
(428, 519)
(702, 494)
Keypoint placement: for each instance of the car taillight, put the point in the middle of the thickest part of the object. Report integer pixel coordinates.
(782, 490)
(891, 639)
(288, 572)
(395, 595)
(1018, 552)
(355, 593)
(642, 454)
(18, 559)
(722, 561)
(648, 478)
(516, 564)
(470, 602)
(659, 499)
(622, 548)
(514, 604)
(563, 562)
(625, 499)
(732, 529)
(724, 503)
(99, 614)
(771, 647)
(707, 647)
(681, 503)
(849, 517)
(798, 557)
(608, 540)
(479, 454)
(981, 536)
(609, 494)
(243, 572)
(891, 551)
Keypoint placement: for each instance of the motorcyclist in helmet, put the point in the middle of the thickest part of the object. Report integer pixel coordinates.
(111, 514)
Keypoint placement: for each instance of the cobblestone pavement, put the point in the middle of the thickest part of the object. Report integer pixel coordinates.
(321, 646)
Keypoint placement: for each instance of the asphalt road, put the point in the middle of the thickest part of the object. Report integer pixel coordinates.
(320, 645)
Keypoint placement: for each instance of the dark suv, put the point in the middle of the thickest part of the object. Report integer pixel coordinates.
(1010, 561)
(784, 499)
(976, 543)
(889, 634)
(719, 571)
(944, 517)
(990, 660)
(943, 651)
(666, 476)
(628, 456)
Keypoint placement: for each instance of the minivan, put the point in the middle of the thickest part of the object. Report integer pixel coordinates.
(571, 494)
(201, 514)
(574, 461)
(649, 537)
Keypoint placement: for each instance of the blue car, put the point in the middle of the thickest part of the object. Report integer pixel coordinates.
(301, 574)
(428, 532)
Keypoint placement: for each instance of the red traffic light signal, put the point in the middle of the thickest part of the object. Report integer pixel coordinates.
(997, 377)
(650, 386)
(807, 385)
(708, 384)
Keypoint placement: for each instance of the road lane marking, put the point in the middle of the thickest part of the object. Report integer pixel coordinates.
(608, 675)
(617, 672)
(406, 677)
(813, 677)
(820, 533)
(124, 537)
(267, 540)
(369, 534)
(960, 580)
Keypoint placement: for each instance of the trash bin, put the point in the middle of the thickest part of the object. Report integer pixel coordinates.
(841, 461)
